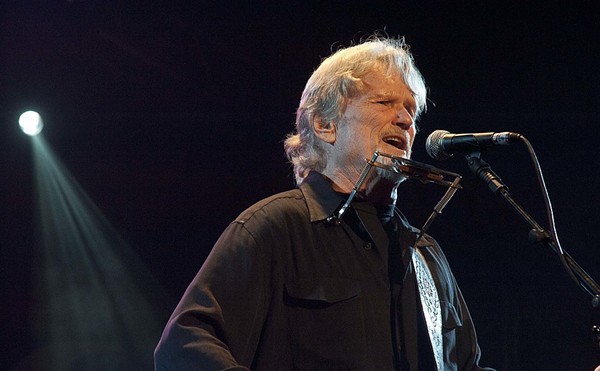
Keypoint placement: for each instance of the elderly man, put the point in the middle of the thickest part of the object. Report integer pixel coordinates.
(284, 289)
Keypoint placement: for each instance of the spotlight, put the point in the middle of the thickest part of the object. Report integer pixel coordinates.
(31, 123)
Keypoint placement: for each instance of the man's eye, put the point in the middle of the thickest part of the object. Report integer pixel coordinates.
(384, 102)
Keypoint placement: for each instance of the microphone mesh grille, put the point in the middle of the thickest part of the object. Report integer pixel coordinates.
(434, 145)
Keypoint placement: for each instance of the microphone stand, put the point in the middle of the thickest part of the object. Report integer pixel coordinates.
(538, 234)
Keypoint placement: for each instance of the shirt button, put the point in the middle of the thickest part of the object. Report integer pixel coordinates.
(367, 246)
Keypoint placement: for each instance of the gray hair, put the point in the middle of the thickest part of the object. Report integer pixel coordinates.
(337, 79)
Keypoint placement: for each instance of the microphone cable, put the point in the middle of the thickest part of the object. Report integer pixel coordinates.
(579, 276)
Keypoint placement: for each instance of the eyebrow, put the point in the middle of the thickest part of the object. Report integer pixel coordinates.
(383, 94)
(391, 95)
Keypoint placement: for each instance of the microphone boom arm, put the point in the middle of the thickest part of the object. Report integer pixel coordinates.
(538, 233)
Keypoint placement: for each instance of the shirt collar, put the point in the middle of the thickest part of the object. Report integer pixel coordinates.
(321, 199)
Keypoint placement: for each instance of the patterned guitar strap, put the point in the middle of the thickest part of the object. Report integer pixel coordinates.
(431, 306)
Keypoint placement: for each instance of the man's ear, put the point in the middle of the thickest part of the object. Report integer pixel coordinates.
(324, 131)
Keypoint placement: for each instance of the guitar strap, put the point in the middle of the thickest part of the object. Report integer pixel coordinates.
(431, 306)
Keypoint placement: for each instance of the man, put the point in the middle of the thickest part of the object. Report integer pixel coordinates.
(285, 289)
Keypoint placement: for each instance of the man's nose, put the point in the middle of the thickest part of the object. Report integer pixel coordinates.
(404, 119)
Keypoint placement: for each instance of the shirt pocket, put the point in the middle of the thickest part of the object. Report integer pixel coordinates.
(326, 322)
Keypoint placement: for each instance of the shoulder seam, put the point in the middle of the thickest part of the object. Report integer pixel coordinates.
(274, 198)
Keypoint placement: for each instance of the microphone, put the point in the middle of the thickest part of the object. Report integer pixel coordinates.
(441, 144)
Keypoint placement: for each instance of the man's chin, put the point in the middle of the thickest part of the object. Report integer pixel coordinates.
(396, 152)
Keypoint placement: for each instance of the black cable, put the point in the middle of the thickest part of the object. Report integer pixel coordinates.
(574, 271)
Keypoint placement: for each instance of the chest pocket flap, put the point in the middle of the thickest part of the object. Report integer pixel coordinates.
(326, 291)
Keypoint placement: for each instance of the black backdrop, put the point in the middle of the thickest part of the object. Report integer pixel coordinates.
(172, 117)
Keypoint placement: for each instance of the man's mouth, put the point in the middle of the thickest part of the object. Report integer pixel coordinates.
(396, 142)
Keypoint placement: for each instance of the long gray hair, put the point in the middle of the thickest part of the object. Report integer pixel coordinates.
(337, 79)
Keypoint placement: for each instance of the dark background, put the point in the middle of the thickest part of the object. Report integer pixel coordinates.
(171, 116)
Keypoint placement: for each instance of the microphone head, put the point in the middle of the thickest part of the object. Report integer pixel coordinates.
(434, 146)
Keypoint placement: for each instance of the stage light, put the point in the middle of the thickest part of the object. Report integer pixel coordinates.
(31, 123)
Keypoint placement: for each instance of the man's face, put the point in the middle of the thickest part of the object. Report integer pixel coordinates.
(380, 118)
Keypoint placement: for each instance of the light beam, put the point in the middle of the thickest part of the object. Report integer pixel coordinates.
(95, 302)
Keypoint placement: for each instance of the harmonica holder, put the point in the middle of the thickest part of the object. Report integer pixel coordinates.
(411, 170)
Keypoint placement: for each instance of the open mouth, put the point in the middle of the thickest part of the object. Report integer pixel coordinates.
(395, 142)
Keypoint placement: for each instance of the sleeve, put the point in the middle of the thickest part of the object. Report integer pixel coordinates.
(217, 323)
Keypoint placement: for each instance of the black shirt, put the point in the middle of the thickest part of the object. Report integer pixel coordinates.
(284, 290)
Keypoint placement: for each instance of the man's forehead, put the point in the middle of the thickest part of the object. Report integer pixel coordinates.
(382, 76)
(380, 85)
